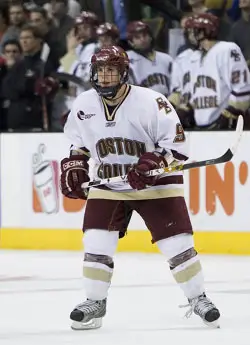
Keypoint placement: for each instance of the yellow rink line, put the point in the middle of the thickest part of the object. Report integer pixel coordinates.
(70, 239)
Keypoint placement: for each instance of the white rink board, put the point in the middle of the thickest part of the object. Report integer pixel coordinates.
(17, 173)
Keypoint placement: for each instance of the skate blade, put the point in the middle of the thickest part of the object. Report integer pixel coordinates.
(83, 326)
(215, 324)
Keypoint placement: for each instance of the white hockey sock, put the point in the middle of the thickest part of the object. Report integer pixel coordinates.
(184, 263)
(97, 273)
(99, 248)
(189, 276)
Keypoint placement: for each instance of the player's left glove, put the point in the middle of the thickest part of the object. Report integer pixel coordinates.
(137, 176)
(228, 118)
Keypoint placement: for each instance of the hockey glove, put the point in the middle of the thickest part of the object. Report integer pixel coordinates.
(137, 176)
(186, 116)
(228, 118)
(46, 87)
(74, 172)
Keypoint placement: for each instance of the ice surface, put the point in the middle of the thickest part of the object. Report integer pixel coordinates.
(39, 289)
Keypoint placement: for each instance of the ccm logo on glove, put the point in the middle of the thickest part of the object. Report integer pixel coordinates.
(72, 164)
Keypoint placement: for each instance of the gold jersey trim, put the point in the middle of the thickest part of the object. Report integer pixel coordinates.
(111, 117)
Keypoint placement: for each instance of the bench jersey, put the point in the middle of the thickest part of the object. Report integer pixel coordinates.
(181, 78)
(144, 121)
(152, 73)
(79, 67)
(219, 78)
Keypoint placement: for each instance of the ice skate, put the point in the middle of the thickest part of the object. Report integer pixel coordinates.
(204, 308)
(88, 315)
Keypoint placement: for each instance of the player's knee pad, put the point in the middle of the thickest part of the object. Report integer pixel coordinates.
(100, 242)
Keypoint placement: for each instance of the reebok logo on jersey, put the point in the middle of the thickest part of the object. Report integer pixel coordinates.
(82, 116)
(110, 124)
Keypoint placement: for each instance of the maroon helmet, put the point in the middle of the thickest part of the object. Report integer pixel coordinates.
(135, 27)
(89, 18)
(188, 24)
(109, 30)
(86, 18)
(206, 23)
(112, 56)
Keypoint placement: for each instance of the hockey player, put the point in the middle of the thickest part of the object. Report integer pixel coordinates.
(81, 46)
(219, 79)
(148, 68)
(181, 74)
(107, 35)
(128, 129)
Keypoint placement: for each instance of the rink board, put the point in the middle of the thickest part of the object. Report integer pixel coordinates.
(34, 214)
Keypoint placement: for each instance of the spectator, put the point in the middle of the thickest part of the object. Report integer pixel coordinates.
(4, 19)
(17, 18)
(107, 35)
(11, 54)
(39, 19)
(25, 85)
(121, 12)
(240, 30)
(197, 6)
(62, 20)
(74, 9)
(234, 11)
(202, 6)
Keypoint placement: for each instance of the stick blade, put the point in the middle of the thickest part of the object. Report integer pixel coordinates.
(238, 134)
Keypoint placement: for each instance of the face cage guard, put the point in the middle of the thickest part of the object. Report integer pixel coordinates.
(111, 91)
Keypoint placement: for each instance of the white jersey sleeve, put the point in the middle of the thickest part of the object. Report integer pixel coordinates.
(234, 70)
(169, 135)
(72, 132)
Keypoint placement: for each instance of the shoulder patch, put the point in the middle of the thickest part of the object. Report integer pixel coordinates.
(163, 105)
(235, 55)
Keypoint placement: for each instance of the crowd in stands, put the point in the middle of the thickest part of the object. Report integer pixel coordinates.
(46, 47)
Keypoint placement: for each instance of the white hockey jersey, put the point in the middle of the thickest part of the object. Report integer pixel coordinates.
(218, 79)
(181, 77)
(80, 67)
(152, 73)
(143, 122)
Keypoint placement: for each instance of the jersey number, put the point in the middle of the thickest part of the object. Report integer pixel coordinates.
(236, 76)
(180, 135)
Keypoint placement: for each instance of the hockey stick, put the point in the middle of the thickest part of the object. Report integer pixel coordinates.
(227, 156)
(44, 57)
(61, 76)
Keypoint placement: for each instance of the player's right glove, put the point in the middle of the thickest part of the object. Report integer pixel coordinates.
(186, 116)
(74, 172)
(137, 176)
